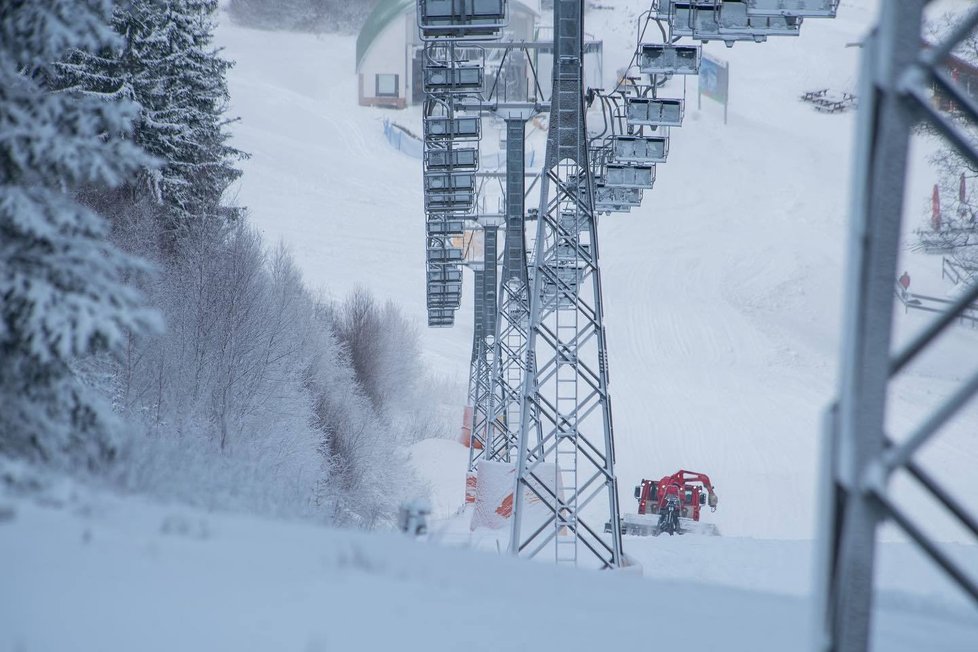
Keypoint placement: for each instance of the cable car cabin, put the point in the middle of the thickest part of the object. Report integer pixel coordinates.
(610, 196)
(640, 149)
(446, 227)
(446, 274)
(800, 8)
(444, 255)
(729, 22)
(461, 19)
(441, 317)
(449, 181)
(456, 201)
(665, 58)
(654, 111)
(463, 158)
(444, 128)
(455, 78)
(629, 176)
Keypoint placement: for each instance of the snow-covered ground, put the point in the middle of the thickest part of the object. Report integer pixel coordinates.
(98, 573)
(723, 296)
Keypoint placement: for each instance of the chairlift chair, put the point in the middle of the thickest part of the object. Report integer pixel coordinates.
(611, 196)
(441, 128)
(669, 58)
(445, 273)
(461, 19)
(450, 159)
(441, 317)
(455, 201)
(654, 111)
(446, 227)
(800, 8)
(441, 253)
(727, 21)
(438, 182)
(438, 287)
(453, 78)
(629, 176)
(643, 150)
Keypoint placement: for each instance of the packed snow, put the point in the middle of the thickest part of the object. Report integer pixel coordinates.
(723, 295)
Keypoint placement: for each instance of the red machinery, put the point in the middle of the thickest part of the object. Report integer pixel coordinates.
(672, 505)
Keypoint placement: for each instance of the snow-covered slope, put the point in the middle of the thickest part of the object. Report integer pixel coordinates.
(101, 574)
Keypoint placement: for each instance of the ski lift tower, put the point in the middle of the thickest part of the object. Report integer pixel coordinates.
(860, 459)
(569, 470)
(499, 356)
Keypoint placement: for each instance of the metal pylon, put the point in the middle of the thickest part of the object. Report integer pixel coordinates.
(858, 457)
(483, 350)
(569, 475)
(514, 305)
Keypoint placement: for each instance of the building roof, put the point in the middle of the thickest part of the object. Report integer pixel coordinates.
(386, 11)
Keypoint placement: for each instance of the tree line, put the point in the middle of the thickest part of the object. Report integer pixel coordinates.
(302, 15)
(148, 336)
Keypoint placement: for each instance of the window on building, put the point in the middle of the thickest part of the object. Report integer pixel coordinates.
(387, 86)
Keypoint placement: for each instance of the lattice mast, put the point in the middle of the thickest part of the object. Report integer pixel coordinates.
(514, 304)
(481, 396)
(859, 457)
(569, 472)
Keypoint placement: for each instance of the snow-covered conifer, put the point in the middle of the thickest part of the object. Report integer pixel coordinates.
(166, 63)
(63, 291)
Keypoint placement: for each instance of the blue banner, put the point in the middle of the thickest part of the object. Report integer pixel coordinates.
(714, 79)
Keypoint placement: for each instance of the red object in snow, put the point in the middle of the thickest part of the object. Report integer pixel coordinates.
(687, 486)
(935, 209)
(905, 280)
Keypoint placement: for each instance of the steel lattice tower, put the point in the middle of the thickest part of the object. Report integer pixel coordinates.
(514, 305)
(569, 472)
(859, 458)
(483, 350)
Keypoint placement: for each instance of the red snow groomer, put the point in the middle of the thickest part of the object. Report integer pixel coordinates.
(672, 505)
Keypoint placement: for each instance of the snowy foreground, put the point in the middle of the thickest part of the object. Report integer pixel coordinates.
(85, 571)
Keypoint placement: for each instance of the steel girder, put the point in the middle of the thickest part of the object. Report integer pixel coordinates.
(858, 457)
(569, 473)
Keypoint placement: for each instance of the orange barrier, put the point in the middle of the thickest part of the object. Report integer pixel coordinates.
(471, 481)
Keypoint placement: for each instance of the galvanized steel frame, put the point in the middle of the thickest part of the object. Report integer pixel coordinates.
(858, 457)
(565, 397)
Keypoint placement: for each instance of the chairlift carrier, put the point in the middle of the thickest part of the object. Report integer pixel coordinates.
(643, 150)
(669, 58)
(654, 111)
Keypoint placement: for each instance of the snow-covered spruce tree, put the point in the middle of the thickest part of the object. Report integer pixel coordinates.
(167, 64)
(62, 283)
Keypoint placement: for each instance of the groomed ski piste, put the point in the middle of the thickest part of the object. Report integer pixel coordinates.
(723, 296)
